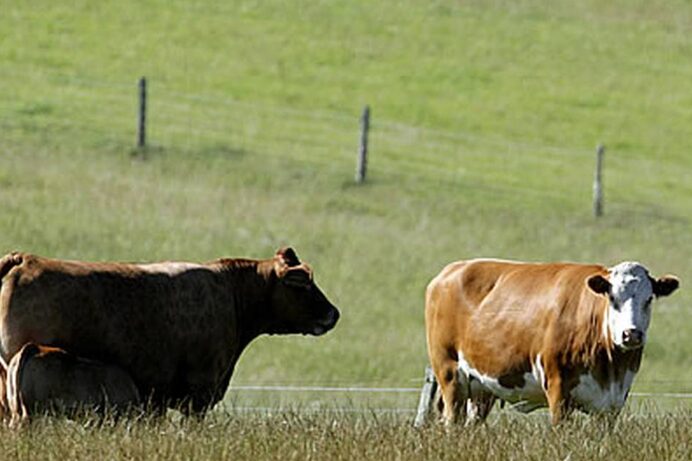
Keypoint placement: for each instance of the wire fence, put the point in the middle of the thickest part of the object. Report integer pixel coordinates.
(378, 412)
(350, 399)
(344, 400)
(409, 390)
(116, 101)
(491, 165)
(416, 390)
(322, 410)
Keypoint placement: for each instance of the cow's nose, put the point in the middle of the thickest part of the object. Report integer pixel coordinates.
(632, 337)
(334, 316)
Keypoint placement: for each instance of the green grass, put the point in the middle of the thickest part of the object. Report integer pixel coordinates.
(485, 120)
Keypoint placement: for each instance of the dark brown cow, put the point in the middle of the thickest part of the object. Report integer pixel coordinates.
(46, 379)
(566, 336)
(177, 328)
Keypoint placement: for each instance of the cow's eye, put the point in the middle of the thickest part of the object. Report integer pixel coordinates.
(301, 287)
(614, 303)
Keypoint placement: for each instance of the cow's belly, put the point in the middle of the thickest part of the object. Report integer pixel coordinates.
(594, 397)
(524, 390)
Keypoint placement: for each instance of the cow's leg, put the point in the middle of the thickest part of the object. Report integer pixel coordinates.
(452, 392)
(196, 406)
(198, 401)
(556, 399)
(193, 408)
(153, 404)
(478, 406)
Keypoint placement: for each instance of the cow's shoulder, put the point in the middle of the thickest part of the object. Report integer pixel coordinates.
(474, 274)
(467, 280)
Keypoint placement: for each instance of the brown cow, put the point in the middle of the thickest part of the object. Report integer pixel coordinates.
(177, 328)
(566, 336)
(47, 379)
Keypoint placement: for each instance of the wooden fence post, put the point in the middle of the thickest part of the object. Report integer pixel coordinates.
(427, 397)
(598, 182)
(142, 133)
(362, 165)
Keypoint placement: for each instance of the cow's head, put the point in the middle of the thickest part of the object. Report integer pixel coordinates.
(298, 305)
(630, 290)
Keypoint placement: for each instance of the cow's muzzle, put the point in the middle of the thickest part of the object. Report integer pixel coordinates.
(632, 339)
(326, 324)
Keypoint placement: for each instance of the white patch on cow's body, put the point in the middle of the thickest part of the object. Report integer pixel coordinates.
(605, 328)
(471, 411)
(631, 292)
(593, 397)
(539, 372)
(526, 398)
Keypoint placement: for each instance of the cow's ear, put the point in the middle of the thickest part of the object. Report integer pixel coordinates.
(599, 284)
(289, 268)
(665, 285)
(299, 276)
(288, 256)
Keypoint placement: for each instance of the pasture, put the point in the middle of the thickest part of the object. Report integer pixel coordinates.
(485, 120)
(290, 435)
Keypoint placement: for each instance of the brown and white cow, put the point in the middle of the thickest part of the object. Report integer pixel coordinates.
(43, 379)
(567, 336)
(177, 328)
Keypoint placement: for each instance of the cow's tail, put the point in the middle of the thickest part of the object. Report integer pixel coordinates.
(15, 400)
(9, 261)
(4, 410)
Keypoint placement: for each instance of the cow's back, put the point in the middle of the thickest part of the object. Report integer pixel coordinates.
(152, 322)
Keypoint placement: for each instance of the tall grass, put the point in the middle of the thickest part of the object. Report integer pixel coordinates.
(294, 435)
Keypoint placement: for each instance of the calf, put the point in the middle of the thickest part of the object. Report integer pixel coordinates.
(46, 379)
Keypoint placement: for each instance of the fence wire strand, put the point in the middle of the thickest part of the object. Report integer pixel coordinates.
(485, 163)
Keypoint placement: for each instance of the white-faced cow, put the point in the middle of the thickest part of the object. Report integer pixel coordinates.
(566, 336)
(43, 379)
(177, 328)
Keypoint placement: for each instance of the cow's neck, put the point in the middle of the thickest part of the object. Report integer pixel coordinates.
(250, 282)
(629, 360)
(596, 348)
(583, 337)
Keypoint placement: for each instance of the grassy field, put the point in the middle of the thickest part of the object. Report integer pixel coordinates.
(290, 435)
(485, 120)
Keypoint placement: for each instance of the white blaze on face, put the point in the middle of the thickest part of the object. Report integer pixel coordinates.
(629, 310)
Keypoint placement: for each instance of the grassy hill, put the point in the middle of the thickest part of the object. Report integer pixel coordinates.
(485, 120)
